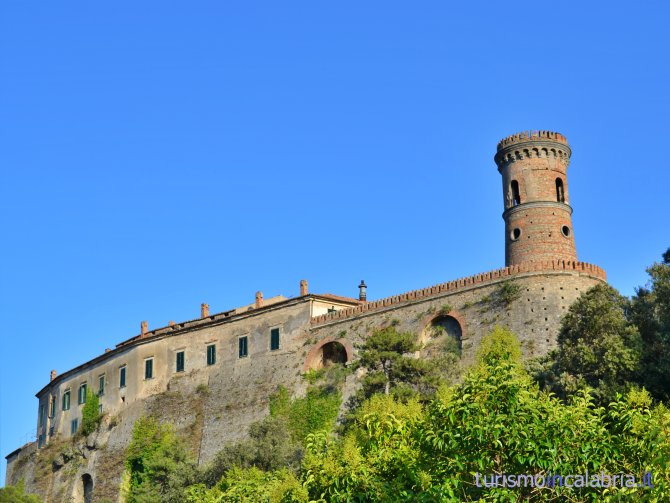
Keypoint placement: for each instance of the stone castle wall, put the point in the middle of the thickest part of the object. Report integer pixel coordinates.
(214, 405)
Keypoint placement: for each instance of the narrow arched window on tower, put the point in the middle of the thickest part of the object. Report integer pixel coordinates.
(516, 197)
(560, 195)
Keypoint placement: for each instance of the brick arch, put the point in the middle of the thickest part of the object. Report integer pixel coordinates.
(454, 314)
(316, 352)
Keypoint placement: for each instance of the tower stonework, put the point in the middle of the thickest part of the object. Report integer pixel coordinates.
(538, 215)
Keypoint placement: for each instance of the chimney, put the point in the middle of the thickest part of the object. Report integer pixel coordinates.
(107, 350)
(259, 299)
(171, 323)
(303, 287)
(53, 375)
(204, 310)
(144, 327)
(363, 292)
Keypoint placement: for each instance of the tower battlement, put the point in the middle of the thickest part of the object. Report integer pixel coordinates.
(526, 136)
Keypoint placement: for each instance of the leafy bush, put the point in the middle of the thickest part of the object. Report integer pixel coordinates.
(495, 422)
(17, 494)
(90, 413)
(277, 442)
(253, 486)
(269, 447)
(158, 466)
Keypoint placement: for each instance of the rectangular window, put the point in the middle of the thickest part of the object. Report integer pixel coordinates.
(52, 408)
(82, 393)
(180, 361)
(122, 377)
(66, 400)
(40, 441)
(101, 385)
(211, 354)
(274, 339)
(51, 431)
(74, 425)
(43, 415)
(149, 368)
(244, 346)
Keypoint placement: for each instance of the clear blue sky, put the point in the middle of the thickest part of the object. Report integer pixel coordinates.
(156, 155)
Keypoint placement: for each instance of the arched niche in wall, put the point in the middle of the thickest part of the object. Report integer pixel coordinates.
(87, 483)
(329, 351)
(83, 490)
(443, 333)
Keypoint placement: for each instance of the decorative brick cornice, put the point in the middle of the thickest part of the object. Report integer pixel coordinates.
(530, 144)
(540, 267)
(537, 204)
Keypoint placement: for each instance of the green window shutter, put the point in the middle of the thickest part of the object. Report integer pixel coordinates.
(148, 369)
(211, 354)
(274, 339)
(101, 385)
(243, 347)
(66, 400)
(180, 361)
(82, 394)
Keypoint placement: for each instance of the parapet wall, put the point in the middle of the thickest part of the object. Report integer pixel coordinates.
(526, 136)
(478, 279)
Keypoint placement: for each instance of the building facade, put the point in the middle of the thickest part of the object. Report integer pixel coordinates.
(212, 376)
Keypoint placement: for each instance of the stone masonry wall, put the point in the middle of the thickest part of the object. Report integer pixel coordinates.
(534, 316)
(211, 406)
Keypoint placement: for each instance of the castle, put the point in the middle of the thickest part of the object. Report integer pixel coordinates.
(240, 356)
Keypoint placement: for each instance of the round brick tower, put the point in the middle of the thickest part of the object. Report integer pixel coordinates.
(538, 216)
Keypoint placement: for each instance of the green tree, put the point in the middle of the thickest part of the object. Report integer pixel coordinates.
(17, 494)
(391, 367)
(651, 314)
(90, 413)
(158, 465)
(496, 422)
(598, 348)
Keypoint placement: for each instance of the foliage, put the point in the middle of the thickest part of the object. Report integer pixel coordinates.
(90, 413)
(157, 464)
(496, 422)
(269, 447)
(277, 442)
(17, 494)
(251, 485)
(650, 311)
(500, 345)
(502, 297)
(598, 348)
(508, 292)
(387, 356)
(317, 410)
